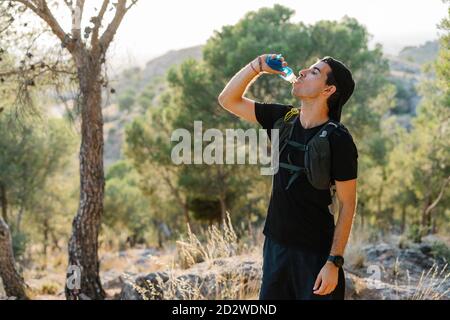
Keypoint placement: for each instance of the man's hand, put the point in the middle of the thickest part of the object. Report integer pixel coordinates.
(327, 279)
(265, 66)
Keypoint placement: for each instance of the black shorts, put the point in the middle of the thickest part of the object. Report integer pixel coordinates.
(290, 273)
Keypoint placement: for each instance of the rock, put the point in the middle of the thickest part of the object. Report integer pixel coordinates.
(206, 280)
(111, 279)
(147, 253)
(392, 273)
(2, 290)
(414, 259)
(143, 261)
(426, 249)
(358, 288)
(379, 251)
(129, 292)
(141, 287)
(113, 283)
(394, 261)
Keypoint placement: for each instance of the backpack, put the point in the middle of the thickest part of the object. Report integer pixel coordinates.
(317, 153)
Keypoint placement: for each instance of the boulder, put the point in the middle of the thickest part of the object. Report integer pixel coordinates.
(204, 280)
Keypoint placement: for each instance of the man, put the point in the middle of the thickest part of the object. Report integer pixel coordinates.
(303, 248)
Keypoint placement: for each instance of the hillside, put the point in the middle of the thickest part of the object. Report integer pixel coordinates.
(406, 72)
(420, 54)
(138, 86)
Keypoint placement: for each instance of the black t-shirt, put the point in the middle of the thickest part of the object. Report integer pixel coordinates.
(300, 217)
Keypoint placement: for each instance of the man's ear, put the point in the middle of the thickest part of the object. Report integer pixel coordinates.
(329, 90)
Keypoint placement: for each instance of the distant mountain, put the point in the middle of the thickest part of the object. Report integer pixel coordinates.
(411, 59)
(136, 79)
(159, 65)
(405, 73)
(422, 54)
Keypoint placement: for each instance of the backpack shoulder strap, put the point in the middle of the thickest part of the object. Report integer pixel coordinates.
(340, 128)
(286, 126)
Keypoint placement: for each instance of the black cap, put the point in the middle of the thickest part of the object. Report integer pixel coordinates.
(345, 85)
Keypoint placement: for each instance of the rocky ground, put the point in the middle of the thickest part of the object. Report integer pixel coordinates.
(385, 270)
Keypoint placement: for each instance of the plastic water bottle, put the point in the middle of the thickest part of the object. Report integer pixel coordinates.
(277, 64)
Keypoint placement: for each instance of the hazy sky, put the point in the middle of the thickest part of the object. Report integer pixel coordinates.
(152, 28)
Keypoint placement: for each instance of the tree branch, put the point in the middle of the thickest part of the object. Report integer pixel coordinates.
(434, 204)
(77, 15)
(98, 22)
(38, 69)
(108, 35)
(68, 4)
(133, 2)
(40, 8)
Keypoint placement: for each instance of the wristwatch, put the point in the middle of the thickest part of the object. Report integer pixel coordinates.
(337, 260)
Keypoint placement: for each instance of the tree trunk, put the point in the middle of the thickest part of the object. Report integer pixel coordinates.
(434, 228)
(55, 240)
(361, 213)
(19, 219)
(223, 209)
(160, 240)
(182, 203)
(403, 225)
(83, 243)
(379, 205)
(12, 280)
(45, 244)
(4, 201)
(430, 205)
(186, 213)
(426, 217)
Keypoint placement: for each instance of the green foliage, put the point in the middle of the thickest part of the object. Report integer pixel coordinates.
(126, 208)
(34, 157)
(20, 241)
(127, 100)
(441, 250)
(405, 93)
(415, 233)
(417, 166)
(150, 92)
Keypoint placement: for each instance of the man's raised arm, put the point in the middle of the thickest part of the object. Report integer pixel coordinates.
(232, 96)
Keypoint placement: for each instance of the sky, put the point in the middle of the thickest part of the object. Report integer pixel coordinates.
(152, 28)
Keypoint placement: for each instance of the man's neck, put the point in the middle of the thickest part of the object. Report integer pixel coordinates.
(313, 114)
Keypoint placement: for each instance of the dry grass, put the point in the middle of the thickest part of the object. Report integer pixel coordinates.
(49, 289)
(354, 253)
(223, 287)
(46, 276)
(220, 243)
(431, 283)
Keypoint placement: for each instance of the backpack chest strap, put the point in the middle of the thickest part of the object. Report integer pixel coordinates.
(298, 146)
(294, 170)
(291, 130)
